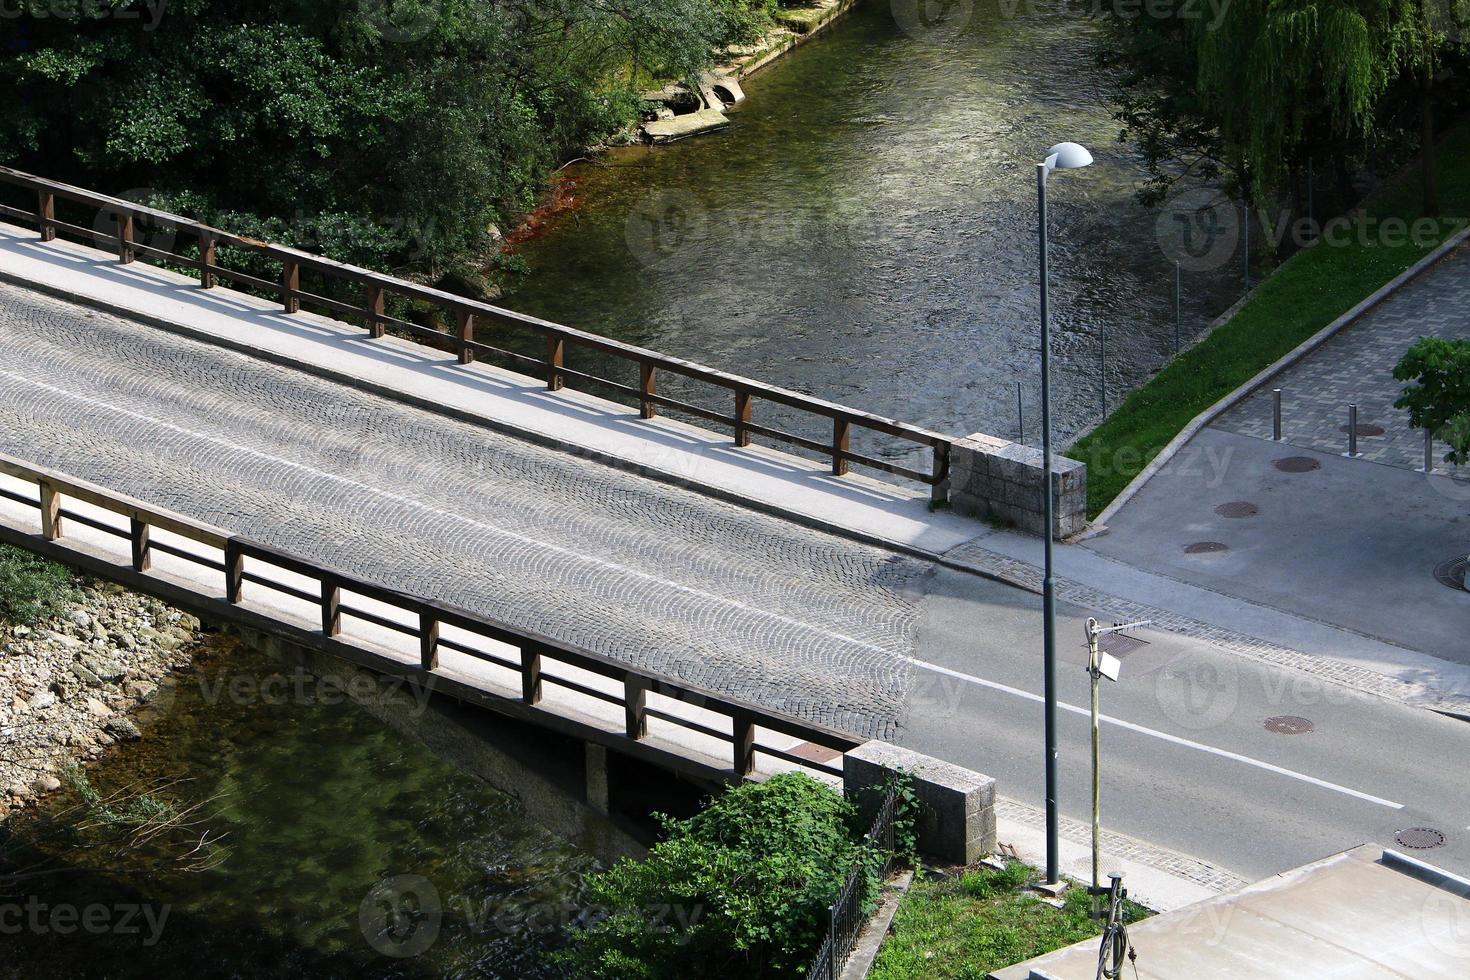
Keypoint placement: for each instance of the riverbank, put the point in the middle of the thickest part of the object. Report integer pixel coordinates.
(69, 683)
(1308, 291)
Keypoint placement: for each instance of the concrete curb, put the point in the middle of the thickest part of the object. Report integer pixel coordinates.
(1290, 358)
(870, 940)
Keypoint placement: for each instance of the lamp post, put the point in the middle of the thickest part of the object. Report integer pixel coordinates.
(1065, 156)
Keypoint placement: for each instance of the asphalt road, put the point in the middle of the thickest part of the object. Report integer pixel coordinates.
(770, 612)
(1187, 758)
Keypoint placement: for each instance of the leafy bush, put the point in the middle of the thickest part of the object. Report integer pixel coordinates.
(739, 890)
(31, 588)
(1438, 396)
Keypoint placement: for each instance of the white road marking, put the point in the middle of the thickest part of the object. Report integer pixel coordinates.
(688, 590)
(460, 518)
(1175, 739)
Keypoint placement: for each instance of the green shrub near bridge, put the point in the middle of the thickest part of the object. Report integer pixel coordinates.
(739, 890)
(30, 587)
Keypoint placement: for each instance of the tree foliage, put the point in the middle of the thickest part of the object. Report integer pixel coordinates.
(1438, 393)
(1251, 89)
(739, 890)
(390, 132)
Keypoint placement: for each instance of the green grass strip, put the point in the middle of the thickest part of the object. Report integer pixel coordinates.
(1309, 291)
(951, 928)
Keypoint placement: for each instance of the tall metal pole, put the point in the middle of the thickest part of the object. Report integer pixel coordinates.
(1048, 599)
(1092, 670)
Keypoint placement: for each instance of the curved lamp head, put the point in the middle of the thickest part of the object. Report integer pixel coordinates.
(1067, 156)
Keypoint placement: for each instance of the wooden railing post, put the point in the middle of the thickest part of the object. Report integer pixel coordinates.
(635, 706)
(647, 383)
(742, 418)
(556, 352)
(290, 283)
(840, 432)
(373, 323)
(744, 745)
(331, 607)
(206, 260)
(939, 489)
(530, 674)
(428, 641)
(466, 336)
(46, 215)
(138, 534)
(125, 253)
(50, 512)
(234, 572)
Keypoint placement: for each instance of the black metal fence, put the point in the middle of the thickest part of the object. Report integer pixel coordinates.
(847, 916)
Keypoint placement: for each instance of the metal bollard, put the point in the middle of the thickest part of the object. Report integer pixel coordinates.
(1428, 450)
(1352, 432)
(1178, 309)
(1276, 414)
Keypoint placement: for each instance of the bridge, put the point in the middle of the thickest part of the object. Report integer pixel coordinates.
(437, 487)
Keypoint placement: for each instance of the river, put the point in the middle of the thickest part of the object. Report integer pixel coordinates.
(340, 847)
(864, 230)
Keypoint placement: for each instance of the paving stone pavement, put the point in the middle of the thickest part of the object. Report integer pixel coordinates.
(666, 579)
(1116, 845)
(1356, 367)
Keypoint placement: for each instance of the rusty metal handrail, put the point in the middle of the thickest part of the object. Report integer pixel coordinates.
(465, 312)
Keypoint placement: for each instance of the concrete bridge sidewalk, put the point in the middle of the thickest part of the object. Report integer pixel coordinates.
(666, 449)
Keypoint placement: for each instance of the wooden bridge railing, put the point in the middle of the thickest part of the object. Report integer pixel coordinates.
(241, 563)
(465, 314)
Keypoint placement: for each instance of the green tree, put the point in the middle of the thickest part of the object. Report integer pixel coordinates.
(1438, 393)
(1254, 92)
(391, 133)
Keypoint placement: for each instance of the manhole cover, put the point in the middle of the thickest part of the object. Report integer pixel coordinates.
(1419, 838)
(1289, 725)
(1297, 464)
(1452, 572)
(1364, 429)
(1205, 548)
(1238, 508)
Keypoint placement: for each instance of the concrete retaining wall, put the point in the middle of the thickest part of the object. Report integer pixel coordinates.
(995, 478)
(957, 818)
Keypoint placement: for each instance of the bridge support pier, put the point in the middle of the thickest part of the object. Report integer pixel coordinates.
(597, 786)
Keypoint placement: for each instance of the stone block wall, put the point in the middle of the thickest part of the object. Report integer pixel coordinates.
(996, 478)
(957, 820)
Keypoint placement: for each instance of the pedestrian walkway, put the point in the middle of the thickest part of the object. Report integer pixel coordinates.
(1356, 367)
(1295, 527)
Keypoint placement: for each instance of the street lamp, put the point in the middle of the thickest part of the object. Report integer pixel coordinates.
(1067, 156)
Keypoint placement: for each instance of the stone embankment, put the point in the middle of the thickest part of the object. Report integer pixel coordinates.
(67, 685)
(685, 110)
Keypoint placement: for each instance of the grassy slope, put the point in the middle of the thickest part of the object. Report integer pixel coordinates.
(1309, 291)
(965, 927)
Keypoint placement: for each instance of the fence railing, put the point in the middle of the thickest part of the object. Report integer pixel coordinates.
(466, 314)
(847, 916)
(242, 563)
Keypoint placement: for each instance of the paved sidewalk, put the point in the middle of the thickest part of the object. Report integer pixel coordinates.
(1356, 367)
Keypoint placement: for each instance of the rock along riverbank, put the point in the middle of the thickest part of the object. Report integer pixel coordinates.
(68, 685)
